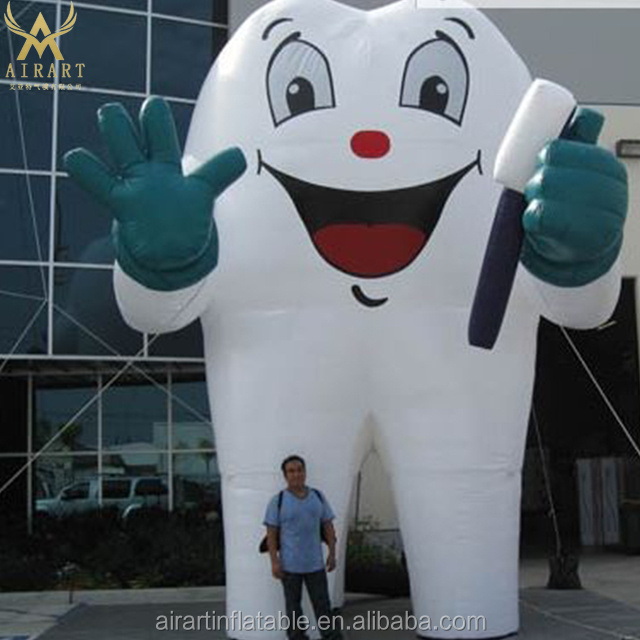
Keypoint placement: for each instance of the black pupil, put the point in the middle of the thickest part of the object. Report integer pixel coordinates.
(300, 96)
(434, 95)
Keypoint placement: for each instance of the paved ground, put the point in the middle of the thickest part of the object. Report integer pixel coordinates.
(609, 607)
(545, 615)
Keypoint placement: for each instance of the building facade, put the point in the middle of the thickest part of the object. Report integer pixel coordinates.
(82, 396)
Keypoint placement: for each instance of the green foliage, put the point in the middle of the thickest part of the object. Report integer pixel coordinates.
(23, 565)
(372, 567)
(98, 550)
(153, 548)
(361, 551)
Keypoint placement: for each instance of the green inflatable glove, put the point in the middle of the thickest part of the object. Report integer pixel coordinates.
(577, 204)
(164, 233)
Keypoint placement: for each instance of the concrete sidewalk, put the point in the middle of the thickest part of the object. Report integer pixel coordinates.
(609, 607)
(28, 615)
(545, 615)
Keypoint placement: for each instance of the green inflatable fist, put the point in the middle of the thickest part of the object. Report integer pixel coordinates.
(164, 232)
(577, 204)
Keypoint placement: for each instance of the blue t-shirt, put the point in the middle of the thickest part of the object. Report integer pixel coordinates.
(299, 522)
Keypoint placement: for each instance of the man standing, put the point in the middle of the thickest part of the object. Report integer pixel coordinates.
(298, 518)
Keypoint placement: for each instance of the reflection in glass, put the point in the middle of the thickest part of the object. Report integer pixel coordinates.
(116, 488)
(23, 318)
(24, 207)
(33, 121)
(55, 410)
(182, 55)
(134, 418)
(191, 420)
(86, 317)
(124, 460)
(65, 485)
(134, 480)
(196, 482)
(130, 493)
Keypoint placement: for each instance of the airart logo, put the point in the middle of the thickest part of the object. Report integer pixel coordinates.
(48, 41)
(40, 25)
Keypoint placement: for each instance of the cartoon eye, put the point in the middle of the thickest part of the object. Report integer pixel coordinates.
(298, 80)
(436, 79)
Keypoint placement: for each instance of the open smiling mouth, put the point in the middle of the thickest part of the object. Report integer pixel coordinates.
(370, 234)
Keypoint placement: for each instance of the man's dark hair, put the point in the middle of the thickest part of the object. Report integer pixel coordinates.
(293, 458)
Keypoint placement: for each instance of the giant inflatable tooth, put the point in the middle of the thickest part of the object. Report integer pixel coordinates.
(336, 318)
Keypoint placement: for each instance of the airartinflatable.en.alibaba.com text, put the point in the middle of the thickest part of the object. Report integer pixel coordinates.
(369, 621)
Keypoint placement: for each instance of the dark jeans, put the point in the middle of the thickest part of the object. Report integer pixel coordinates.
(316, 583)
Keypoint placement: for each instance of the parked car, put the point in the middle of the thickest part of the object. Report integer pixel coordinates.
(126, 494)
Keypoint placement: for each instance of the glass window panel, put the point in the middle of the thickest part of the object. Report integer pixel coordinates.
(24, 211)
(134, 418)
(146, 475)
(111, 45)
(14, 398)
(25, 14)
(112, 489)
(135, 466)
(182, 55)
(77, 491)
(78, 124)
(83, 226)
(139, 5)
(25, 114)
(191, 419)
(186, 343)
(13, 500)
(66, 485)
(182, 116)
(86, 317)
(23, 318)
(196, 481)
(150, 487)
(210, 10)
(56, 408)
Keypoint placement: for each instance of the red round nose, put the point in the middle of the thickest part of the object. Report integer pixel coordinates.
(370, 144)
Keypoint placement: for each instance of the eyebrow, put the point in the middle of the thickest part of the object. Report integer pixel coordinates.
(464, 25)
(275, 23)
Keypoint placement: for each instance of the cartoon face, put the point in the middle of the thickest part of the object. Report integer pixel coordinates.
(368, 234)
(367, 123)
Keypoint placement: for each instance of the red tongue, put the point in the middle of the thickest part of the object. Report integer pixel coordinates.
(369, 250)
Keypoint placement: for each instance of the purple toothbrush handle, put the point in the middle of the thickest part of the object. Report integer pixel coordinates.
(498, 270)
